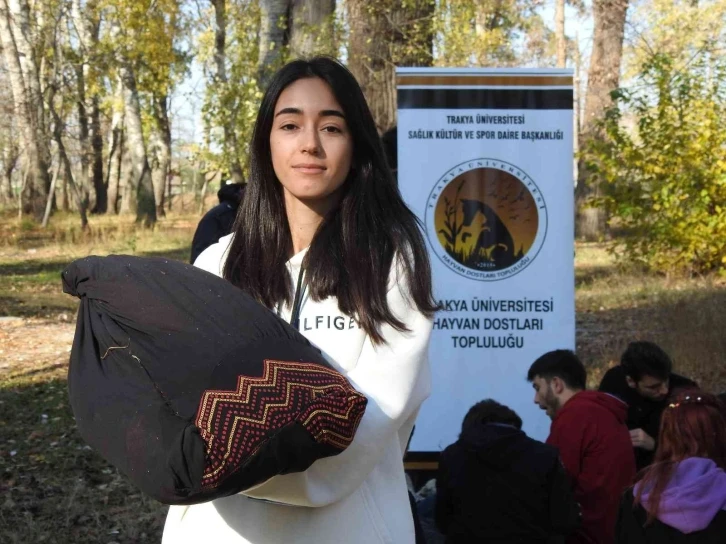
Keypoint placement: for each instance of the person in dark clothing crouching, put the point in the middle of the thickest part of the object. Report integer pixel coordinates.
(644, 380)
(497, 485)
(218, 221)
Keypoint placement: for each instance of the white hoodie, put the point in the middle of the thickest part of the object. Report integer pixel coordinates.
(360, 495)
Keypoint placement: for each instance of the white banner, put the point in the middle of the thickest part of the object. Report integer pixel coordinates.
(485, 159)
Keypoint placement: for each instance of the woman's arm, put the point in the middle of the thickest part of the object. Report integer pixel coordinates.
(394, 376)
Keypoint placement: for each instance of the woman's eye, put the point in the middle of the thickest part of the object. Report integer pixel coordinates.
(288, 126)
(331, 129)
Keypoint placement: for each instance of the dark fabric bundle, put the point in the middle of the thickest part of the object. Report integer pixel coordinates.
(193, 389)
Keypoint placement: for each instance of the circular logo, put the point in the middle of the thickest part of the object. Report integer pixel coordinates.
(486, 219)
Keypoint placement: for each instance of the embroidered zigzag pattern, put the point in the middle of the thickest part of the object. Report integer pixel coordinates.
(234, 424)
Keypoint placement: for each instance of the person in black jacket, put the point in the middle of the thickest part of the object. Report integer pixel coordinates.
(681, 497)
(496, 485)
(644, 380)
(218, 221)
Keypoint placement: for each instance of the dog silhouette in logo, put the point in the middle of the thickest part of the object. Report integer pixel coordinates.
(494, 243)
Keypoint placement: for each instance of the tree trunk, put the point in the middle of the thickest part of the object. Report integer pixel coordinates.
(380, 40)
(560, 39)
(203, 193)
(607, 49)
(65, 161)
(126, 178)
(7, 187)
(68, 170)
(25, 46)
(273, 36)
(54, 84)
(169, 179)
(311, 27)
(65, 204)
(369, 60)
(25, 87)
(220, 80)
(142, 183)
(161, 135)
(577, 105)
(85, 20)
(85, 146)
(51, 194)
(114, 169)
(97, 158)
(603, 78)
(10, 160)
(115, 149)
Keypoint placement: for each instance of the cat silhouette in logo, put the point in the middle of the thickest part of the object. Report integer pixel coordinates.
(495, 243)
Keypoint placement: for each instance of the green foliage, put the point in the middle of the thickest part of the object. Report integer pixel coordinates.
(232, 103)
(490, 33)
(149, 36)
(662, 161)
(680, 29)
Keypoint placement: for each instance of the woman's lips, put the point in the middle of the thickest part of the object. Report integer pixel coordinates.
(309, 168)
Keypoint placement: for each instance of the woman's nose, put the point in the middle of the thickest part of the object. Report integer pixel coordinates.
(311, 142)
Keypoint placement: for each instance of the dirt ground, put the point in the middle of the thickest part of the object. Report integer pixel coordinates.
(35, 341)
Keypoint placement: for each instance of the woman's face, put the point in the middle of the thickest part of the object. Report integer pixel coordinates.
(310, 142)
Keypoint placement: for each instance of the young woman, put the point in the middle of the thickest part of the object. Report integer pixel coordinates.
(681, 497)
(324, 239)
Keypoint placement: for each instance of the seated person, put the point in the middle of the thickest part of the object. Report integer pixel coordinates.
(644, 380)
(681, 497)
(218, 221)
(495, 484)
(588, 428)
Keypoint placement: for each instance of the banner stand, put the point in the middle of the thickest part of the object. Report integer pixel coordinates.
(485, 161)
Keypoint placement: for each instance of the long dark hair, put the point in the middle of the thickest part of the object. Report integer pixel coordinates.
(692, 425)
(353, 248)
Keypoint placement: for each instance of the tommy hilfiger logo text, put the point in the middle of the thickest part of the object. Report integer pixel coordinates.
(337, 322)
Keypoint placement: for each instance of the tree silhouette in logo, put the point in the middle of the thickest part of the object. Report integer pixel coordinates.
(494, 243)
(452, 229)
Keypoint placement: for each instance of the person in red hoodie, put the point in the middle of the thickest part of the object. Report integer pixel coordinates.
(589, 430)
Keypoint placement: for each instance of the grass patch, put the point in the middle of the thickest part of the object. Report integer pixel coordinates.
(616, 305)
(32, 259)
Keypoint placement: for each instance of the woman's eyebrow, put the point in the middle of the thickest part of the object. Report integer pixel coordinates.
(332, 113)
(323, 113)
(283, 111)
